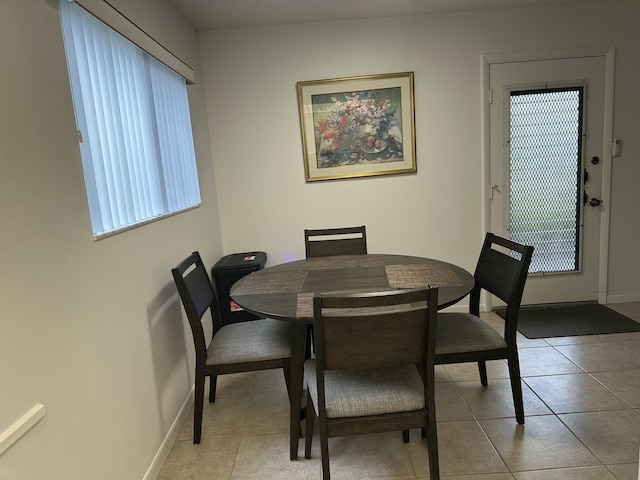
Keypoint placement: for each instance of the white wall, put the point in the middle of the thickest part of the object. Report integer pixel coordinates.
(250, 80)
(92, 330)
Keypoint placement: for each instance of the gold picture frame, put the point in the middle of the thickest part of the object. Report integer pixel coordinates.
(357, 126)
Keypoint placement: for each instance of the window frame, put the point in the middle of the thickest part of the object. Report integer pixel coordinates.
(138, 154)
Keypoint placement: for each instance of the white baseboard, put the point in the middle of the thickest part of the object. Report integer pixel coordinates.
(21, 426)
(165, 447)
(623, 298)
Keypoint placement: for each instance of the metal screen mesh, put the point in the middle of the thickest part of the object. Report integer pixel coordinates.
(545, 151)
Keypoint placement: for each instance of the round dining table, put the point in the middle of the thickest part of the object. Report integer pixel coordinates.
(285, 292)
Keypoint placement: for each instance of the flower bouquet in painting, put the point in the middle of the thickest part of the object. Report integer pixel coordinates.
(358, 127)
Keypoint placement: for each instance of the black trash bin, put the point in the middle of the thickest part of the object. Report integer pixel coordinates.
(227, 271)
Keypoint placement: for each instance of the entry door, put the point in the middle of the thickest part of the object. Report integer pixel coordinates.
(546, 171)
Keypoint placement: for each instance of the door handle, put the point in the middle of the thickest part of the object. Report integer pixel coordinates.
(594, 202)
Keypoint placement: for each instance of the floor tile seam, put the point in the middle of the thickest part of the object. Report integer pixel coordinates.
(559, 469)
(475, 416)
(513, 471)
(410, 457)
(608, 370)
(413, 477)
(573, 412)
(220, 437)
(523, 379)
(631, 348)
(612, 472)
(568, 359)
(235, 457)
(256, 398)
(609, 410)
(617, 464)
(411, 463)
(413, 468)
(633, 410)
(578, 438)
(464, 400)
(567, 467)
(628, 407)
(238, 435)
(634, 360)
(252, 394)
(226, 397)
(493, 446)
(554, 347)
(608, 389)
(581, 372)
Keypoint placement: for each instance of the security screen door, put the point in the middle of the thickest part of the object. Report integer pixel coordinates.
(546, 153)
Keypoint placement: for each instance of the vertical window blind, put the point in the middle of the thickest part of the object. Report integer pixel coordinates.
(133, 117)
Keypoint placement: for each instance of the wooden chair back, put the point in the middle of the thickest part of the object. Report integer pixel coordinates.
(197, 296)
(375, 331)
(335, 241)
(502, 271)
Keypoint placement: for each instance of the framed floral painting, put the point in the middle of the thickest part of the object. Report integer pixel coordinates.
(357, 126)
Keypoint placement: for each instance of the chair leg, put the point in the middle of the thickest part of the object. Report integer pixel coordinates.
(324, 451)
(197, 408)
(482, 369)
(430, 432)
(516, 387)
(432, 447)
(308, 431)
(405, 436)
(213, 382)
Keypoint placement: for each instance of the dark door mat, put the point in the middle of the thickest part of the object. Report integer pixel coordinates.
(571, 321)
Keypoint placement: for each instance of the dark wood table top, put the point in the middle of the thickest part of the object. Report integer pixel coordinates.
(285, 291)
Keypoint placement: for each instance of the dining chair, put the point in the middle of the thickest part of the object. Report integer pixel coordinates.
(237, 347)
(335, 241)
(365, 375)
(464, 337)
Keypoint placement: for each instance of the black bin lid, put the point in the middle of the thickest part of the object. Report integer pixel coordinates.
(240, 261)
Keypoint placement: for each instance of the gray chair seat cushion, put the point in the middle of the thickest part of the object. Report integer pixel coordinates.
(249, 342)
(357, 393)
(463, 332)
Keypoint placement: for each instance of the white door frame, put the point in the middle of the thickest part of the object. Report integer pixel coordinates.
(607, 139)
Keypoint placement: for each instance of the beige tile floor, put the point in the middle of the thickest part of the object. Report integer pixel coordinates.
(582, 405)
